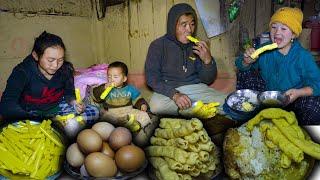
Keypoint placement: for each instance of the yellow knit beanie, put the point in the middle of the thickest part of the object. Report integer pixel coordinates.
(291, 17)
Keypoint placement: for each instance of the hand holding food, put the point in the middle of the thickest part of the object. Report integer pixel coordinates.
(192, 39)
(256, 53)
(201, 49)
(181, 100)
(106, 91)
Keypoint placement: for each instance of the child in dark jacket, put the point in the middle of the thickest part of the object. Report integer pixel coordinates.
(42, 85)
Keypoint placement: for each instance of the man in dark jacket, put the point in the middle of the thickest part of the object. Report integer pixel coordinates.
(178, 70)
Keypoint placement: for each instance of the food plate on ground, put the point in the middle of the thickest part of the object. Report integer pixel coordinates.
(31, 150)
(104, 152)
(269, 146)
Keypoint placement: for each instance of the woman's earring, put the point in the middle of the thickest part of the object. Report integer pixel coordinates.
(291, 40)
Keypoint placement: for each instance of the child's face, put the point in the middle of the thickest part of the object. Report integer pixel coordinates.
(116, 76)
(282, 35)
(51, 60)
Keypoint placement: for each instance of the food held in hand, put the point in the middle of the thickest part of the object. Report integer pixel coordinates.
(255, 54)
(106, 91)
(192, 39)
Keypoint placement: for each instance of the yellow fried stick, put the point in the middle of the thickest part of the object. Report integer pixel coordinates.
(271, 113)
(255, 54)
(192, 39)
(307, 146)
(287, 147)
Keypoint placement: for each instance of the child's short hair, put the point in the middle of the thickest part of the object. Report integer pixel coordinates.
(118, 64)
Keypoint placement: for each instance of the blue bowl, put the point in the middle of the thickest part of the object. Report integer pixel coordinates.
(233, 105)
(241, 117)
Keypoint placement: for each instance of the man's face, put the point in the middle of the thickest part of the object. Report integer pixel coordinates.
(184, 27)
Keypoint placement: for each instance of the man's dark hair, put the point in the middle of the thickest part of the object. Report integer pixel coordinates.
(118, 64)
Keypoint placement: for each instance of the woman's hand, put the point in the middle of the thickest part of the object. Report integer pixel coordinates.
(203, 51)
(182, 100)
(78, 107)
(246, 56)
(294, 94)
(144, 107)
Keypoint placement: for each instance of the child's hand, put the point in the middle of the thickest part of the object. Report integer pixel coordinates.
(144, 107)
(246, 56)
(108, 85)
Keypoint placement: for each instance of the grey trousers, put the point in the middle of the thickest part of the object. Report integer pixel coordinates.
(163, 105)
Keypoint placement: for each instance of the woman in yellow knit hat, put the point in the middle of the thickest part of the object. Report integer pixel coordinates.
(289, 68)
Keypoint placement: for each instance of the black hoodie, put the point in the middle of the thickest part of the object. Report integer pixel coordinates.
(169, 62)
(27, 89)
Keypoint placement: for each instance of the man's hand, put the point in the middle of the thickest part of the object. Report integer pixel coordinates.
(203, 51)
(182, 100)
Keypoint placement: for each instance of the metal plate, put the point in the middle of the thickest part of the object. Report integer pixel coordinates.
(5, 175)
(237, 98)
(273, 99)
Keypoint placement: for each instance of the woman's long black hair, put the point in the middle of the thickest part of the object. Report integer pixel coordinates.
(46, 40)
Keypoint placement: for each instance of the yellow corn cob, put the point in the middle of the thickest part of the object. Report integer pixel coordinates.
(255, 54)
(106, 91)
(78, 96)
(192, 39)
